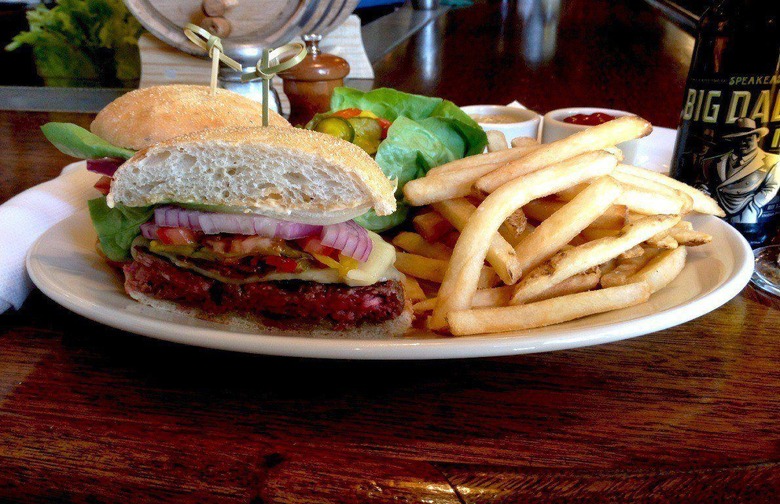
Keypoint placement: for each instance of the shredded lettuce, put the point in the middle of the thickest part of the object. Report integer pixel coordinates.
(117, 227)
(426, 132)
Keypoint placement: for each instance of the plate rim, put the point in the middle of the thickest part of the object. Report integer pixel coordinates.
(494, 345)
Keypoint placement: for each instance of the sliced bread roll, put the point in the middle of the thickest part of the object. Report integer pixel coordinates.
(146, 116)
(285, 173)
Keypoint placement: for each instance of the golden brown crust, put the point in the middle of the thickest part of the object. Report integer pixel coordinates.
(150, 115)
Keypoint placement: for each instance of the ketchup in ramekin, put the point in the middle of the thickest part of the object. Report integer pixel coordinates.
(593, 119)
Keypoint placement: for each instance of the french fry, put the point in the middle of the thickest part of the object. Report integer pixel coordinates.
(647, 202)
(451, 238)
(567, 222)
(655, 187)
(691, 238)
(615, 152)
(496, 141)
(497, 296)
(462, 275)
(642, 200)
(664, 268)
(570, 262)
(701, 202)
(547, 312)
(591, 233)
(681, 234)
(512, 229)
(582, 282)
(423, 306)
(500, 254)
(440, 187)
(434, 270)
(431, 226)
(416, 244)
(494, 159)
(663, 241)
(684, 234)
(627, 267)
(412, 289)
(634, 251)
(569, 193)
(524, 142)
(614, 217)
(608, 266)
(598, 137)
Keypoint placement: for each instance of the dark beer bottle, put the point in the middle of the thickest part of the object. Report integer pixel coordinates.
(729, 135)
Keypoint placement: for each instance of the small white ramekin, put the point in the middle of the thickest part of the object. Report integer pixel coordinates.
(527, 124)
(554, 128)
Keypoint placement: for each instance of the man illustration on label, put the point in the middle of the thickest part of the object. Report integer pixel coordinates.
(745, 179)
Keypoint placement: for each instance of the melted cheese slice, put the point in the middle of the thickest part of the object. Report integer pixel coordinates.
(377, 268)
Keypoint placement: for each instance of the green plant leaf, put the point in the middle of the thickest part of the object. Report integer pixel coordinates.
(75, 141)
(117, 227)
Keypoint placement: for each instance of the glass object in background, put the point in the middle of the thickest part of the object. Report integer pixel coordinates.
(729, 137)
(767, 274)
(540, 29)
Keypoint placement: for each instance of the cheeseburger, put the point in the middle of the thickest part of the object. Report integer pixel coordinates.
(253, 227)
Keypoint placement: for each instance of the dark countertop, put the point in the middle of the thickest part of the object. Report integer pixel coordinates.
(688, 414)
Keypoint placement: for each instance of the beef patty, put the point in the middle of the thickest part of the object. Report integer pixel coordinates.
(310, 301)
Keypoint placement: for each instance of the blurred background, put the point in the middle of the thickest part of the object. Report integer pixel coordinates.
(93, 43)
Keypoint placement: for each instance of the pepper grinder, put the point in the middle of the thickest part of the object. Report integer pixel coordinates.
(310, 84)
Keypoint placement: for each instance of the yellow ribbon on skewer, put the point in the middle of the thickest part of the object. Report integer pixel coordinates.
(265, 70)
(213, 46)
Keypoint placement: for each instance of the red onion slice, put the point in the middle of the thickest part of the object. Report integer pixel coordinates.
(149, 230)
(206, 223)
(265, 226)
(295, 230)
(354, 241)
(348, 237)
(364, 250)
(104, 166)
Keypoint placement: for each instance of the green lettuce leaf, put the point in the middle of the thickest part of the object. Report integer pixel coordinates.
(117, 227)
(426, 132)
(75, 141)
(378, 224)
(410, 150)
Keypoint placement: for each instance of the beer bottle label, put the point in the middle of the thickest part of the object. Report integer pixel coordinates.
(728, 146)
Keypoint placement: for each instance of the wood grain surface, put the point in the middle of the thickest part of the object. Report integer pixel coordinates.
(689, 414)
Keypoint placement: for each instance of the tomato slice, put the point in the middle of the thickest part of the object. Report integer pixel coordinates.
(177, 236)
(103, 185)
(282, 264)
(313, 245)
(385, 126)
(347, 113)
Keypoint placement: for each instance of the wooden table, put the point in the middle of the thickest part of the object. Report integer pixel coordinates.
(690, 414)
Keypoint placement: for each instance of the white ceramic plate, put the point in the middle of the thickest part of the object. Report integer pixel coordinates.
(64, 265)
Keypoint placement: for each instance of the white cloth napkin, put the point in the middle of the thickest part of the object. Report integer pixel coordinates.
(27, 215)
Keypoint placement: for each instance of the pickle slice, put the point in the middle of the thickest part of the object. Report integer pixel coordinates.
(368, 133)
(337, 127)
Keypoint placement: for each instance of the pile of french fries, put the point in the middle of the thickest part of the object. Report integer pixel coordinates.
(530, 235)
